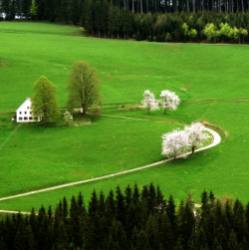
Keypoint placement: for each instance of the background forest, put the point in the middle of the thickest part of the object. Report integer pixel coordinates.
(153, 20)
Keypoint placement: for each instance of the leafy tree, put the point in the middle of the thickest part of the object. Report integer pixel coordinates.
(226, 31)
(243, 33)
(211, 32)
(192, 33)
(44, 101)
(83, 87)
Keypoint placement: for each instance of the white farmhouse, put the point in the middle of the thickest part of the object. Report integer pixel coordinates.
(24, 113)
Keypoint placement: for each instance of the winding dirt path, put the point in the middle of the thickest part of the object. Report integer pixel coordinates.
(215, 142)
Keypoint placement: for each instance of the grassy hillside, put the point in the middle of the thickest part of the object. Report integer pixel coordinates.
(212, 81)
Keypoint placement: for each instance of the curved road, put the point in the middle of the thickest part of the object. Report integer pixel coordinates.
(215, 142)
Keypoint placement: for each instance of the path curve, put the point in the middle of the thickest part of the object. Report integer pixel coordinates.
(215, 142)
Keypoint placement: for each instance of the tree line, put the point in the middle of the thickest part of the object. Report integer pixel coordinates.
(153, 20)
(55, 8)
(130, 219)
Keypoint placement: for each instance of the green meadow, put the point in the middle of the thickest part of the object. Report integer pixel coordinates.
(212, 81)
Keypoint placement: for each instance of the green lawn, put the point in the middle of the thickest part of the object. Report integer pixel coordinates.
(212, 81)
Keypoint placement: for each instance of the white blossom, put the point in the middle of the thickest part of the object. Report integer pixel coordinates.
(169, 100)
(174, 143)
(149, 101)
(181, 141)
(196, 135)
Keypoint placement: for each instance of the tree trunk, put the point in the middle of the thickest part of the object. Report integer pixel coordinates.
(193, 149)
(133, 6)
(242, 6)
(141, 6)
(193, 5)
(147, 6)
(187, 5)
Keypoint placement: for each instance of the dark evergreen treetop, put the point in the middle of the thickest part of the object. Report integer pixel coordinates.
(130, 219)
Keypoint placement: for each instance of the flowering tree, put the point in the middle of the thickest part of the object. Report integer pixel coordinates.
(149, 101)
(196, 135)
(174, 142)
(169, 100)
(179, 141)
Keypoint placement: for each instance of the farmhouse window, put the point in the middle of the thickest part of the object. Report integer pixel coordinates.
(20, 112)
(25, 118)
(30, 118)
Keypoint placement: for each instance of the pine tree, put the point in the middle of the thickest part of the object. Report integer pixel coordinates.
(166, 233)
(117, 239)
(141, 241)
(170, 209)
(110, 205)
(6, 8)
(232, 241)
(26, 8)
(34, 9)
(40, 9)
(51, 9)
(77, 218)
(239, 220)
(120, 206)
(152, 232)
(64, 208)
(186, 221)
(75, 11)
(24, 238)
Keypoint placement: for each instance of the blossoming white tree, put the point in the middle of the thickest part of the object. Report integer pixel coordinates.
(169, 100)
(196, 135)
(180, 141)
(174, 143)
(149, 101)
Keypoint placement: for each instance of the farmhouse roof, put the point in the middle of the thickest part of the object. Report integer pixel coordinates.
(25, 104)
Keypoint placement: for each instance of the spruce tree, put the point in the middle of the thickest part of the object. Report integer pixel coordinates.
(120, 206)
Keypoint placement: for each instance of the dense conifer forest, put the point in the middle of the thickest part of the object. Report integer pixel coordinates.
(153, 20)
(131, 219)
